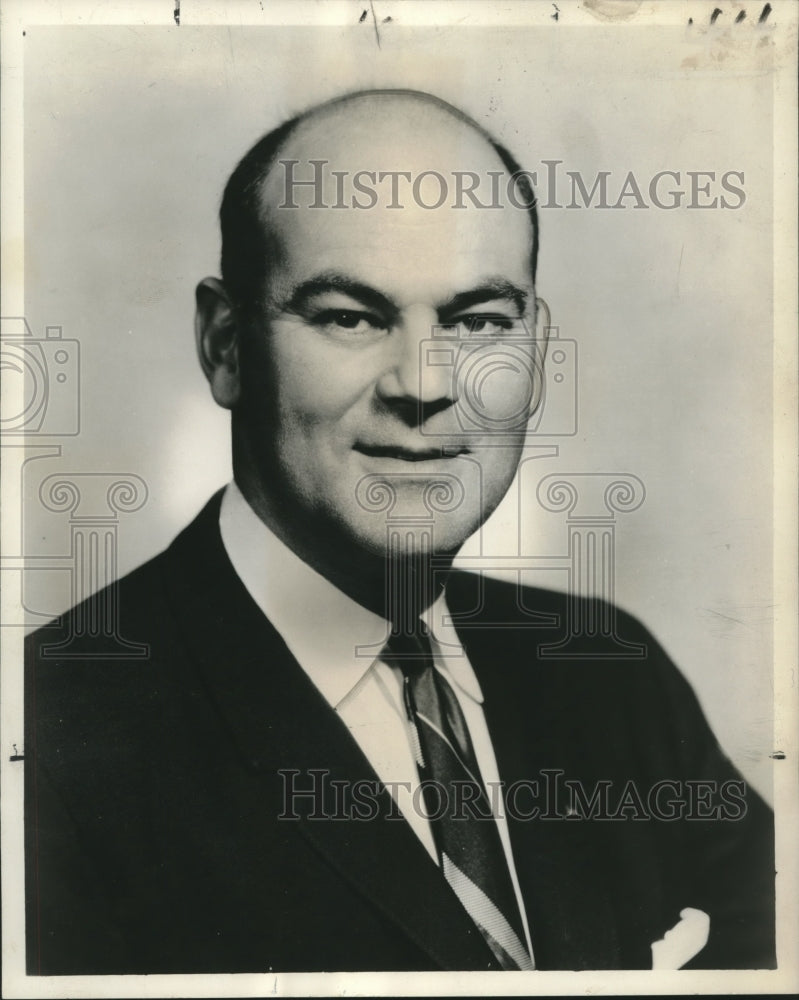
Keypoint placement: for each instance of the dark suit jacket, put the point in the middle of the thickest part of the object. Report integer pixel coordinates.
(153, 797)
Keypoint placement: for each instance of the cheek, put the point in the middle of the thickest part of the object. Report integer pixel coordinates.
(497, 386)
(316, 382)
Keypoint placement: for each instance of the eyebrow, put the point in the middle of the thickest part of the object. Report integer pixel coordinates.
(334, 282)
(487, 291)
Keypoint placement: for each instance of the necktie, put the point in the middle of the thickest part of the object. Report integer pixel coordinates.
(465, 832)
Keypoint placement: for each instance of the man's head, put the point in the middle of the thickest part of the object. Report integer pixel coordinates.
(325, 336)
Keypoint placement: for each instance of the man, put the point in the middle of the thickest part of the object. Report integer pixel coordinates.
(340, 755)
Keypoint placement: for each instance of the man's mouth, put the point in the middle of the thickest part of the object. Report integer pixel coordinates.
(405, 454)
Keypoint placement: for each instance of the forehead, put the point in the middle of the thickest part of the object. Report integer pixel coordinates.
(419, 251)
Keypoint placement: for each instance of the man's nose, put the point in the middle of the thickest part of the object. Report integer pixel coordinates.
(418, 373)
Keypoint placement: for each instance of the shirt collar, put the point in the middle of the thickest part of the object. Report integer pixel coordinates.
(448, 649)
(334, 639)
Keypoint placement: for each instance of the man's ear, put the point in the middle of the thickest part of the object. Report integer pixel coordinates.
(542, 328)
(217, 333)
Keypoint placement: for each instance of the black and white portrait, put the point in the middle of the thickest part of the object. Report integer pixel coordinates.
(394, 495)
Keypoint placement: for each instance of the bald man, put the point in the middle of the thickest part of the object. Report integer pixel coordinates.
(340, 754)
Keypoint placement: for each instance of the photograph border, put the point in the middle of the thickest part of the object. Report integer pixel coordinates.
(15, 15)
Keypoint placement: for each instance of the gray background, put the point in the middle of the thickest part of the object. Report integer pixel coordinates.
(130, 134)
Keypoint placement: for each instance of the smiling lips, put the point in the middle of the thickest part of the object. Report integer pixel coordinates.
(409, 454)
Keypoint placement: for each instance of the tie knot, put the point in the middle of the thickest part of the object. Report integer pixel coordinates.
(410, 651)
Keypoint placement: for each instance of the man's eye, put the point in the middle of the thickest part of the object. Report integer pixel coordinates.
(351, 320)
(487, 323)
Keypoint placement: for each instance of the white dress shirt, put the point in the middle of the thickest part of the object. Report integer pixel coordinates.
(338, 643)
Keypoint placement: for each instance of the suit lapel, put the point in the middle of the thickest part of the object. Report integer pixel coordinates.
(280, 722)
(572, 924)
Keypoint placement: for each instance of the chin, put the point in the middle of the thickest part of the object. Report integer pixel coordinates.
(412, 539)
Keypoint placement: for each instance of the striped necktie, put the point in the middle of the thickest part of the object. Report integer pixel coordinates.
(465, 832)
